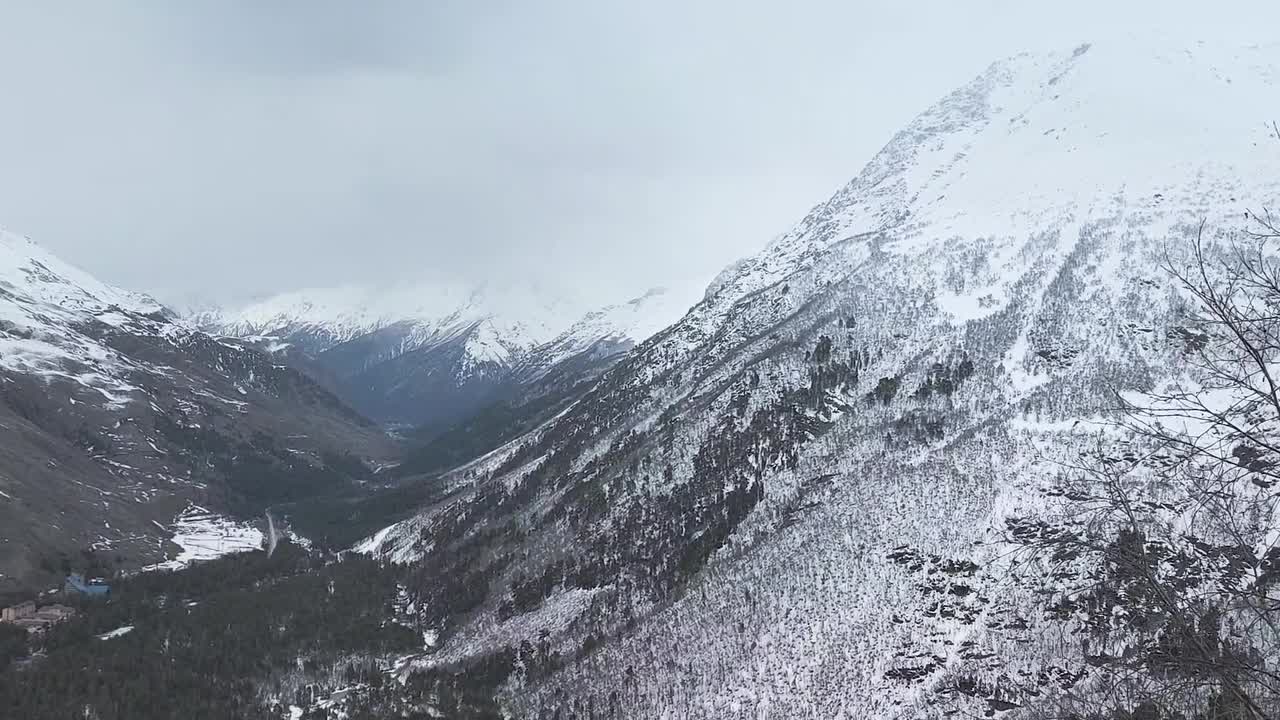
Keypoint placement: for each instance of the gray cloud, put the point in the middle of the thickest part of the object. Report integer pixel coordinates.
(233, 149)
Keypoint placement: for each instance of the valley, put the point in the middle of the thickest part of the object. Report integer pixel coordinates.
(990, 432)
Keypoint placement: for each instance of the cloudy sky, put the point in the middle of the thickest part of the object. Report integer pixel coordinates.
(229, 150)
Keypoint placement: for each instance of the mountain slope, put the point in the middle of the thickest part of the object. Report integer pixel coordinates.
(114, 417)
(791, 503)
(548, 380)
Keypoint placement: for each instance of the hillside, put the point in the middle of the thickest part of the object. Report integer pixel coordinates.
(793, 502)
(115, 417)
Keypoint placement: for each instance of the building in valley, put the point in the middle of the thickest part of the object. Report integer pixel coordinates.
(35, 619)
(14, 613)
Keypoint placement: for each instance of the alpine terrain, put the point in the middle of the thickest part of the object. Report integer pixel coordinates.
(802, 499)
(424, 357)
(118, 420)
(991, 432)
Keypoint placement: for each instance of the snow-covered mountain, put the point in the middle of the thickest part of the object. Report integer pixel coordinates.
(792, 502)
(611, 329)
(114, 416)
(430, 355)
(513, 318)
(43, 303)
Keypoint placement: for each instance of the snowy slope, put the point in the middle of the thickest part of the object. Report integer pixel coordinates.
(43, 303)
(203, 535)
(1042, 141)
(791, 503)
(114, 415)
(613, 329)
(32, 273)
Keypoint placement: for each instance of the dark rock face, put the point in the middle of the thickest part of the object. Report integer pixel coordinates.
(431, 387)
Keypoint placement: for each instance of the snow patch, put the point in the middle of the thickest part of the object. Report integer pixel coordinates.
(373, 545)
(204, 535)
(116, 633)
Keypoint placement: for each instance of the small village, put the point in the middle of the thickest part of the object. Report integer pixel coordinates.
(36, 619)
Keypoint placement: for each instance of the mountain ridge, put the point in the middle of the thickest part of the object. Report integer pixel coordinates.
(845, 483)
(115, 416)
(430, 357)
(792, 501)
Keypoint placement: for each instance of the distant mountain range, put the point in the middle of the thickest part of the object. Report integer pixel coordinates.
(796, 498)
(426, 357)
(117, 415)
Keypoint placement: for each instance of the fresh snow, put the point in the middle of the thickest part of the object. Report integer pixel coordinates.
(203, 535)
(502, 326)
(116, 633)
(624, 324)
(1018, 223)
(523, 316)
(44, 305)
(30, 271)
(373, 545)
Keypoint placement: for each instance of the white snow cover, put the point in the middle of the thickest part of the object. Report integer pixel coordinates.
(639, 319)
(203, 535)
(523, 316)
(502, 325)
(44, 305)
(1055, 140)
(116, 633)
(373, 544)
(1044, 190)
(29, 273)
(624, 324)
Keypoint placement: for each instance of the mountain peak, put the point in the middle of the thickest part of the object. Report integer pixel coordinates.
(1075, 133)
(891, 381)
(28, 271)
(428, 354)
(47, 308)
(525, 315)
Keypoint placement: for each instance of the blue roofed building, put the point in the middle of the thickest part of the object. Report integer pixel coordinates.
(96, 587)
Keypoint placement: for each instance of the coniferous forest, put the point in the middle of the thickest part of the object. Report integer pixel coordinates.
(244, 636)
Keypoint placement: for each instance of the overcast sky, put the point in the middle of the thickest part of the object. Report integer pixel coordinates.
(234, 149)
